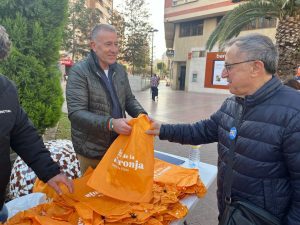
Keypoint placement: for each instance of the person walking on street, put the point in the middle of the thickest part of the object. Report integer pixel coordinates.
(262, 118)
(17, 132)
(98, 95)
(154, 86)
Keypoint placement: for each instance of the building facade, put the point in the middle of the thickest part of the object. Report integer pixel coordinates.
(105, 7)
(188, 25)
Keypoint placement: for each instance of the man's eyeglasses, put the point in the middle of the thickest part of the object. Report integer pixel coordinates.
(229, 66)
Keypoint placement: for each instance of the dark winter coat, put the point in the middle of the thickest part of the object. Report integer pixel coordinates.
(267, 154)
(17, 132)
(90, 106)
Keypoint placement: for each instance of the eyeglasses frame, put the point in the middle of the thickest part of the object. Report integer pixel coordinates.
(228, 66)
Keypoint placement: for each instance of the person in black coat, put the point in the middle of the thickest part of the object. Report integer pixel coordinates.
(17, 132)
(266, 116)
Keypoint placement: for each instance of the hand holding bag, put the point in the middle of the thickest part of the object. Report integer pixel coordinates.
(126, 170)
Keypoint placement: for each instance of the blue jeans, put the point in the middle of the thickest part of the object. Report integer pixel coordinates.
(3, 214)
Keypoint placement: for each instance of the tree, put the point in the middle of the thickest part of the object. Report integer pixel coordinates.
(161, 66)
(136, 47)
(35, 28)
(118, 22)
(81, 21)
(287, 31)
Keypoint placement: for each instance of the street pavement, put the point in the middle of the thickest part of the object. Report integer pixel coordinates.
(185, 107)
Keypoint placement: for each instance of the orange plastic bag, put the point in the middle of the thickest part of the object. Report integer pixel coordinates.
(168, 173)
(126, 170)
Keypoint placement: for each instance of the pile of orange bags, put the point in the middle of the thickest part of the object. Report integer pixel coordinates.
(127, 187)
(86, 206)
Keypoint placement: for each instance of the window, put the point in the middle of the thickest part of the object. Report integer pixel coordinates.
(191, 28)
(198, 54)
(261, 23)
(219, 18)
(100, 2)
(181, 2)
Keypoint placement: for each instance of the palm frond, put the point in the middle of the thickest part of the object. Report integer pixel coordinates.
(235, 20)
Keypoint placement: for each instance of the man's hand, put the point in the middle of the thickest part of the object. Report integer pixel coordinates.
(155, 127)
(121, 126)
(60, 178)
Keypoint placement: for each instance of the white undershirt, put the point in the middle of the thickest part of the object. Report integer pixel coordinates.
(106, 73)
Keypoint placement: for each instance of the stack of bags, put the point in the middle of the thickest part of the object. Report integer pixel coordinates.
(127, 187)
(87, 206)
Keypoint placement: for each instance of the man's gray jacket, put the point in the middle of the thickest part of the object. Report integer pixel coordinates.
(90, 106)
(266, 166)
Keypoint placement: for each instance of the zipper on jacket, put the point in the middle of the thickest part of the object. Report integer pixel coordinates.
(106, 90)
(113, 86)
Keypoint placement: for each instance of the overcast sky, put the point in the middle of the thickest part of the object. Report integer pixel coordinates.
(156, 8)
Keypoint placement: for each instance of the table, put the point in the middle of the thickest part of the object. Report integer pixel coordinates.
(208, 173)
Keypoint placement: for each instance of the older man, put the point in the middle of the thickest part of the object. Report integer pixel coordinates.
(263, 119)
(17, 132)
(98, 95)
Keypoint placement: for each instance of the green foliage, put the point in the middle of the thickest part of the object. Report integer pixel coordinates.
(136, 47)
(161, 66)
(81, 21)
(118, 22)
(35, 28)
(234, 21)
(63, 128)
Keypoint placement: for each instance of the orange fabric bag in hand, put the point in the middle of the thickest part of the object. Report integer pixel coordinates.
(126, 170)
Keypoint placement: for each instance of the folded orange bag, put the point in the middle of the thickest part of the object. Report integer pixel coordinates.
(126, 170)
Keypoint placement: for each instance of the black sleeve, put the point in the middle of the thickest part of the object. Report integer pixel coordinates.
(202, 132)
(26, 142)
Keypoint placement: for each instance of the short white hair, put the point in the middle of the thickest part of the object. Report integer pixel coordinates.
(102, 27)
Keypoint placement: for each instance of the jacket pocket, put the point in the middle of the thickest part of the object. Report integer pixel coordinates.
(270, 200)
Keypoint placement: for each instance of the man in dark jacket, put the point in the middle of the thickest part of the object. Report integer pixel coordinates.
(17, 132)
(266, 115)
(98, 94)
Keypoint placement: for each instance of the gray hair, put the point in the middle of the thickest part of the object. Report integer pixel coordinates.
(4, 43)
(102, 27)
(258, 47)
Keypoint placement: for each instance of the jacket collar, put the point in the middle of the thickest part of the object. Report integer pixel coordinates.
(263, 93)
(94, 62)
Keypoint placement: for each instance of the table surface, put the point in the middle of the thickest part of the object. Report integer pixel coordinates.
(207, 173)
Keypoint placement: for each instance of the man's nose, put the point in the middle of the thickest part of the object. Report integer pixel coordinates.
(224, 73)
(114, 49)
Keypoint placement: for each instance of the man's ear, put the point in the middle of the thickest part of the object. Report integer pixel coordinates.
(93, 45)
(257, 68)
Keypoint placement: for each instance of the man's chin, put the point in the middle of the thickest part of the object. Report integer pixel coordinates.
(112, 61)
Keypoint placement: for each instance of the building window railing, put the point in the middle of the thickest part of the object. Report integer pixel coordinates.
(191, 28)
(261, 23)
(181, 2)
(198, 54)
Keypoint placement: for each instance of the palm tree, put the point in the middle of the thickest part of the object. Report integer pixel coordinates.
(287, 32)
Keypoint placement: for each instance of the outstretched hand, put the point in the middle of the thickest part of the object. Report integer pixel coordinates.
(60, 178)
(155, 127)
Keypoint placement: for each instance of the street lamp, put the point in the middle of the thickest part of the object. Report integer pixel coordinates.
(152, 31)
